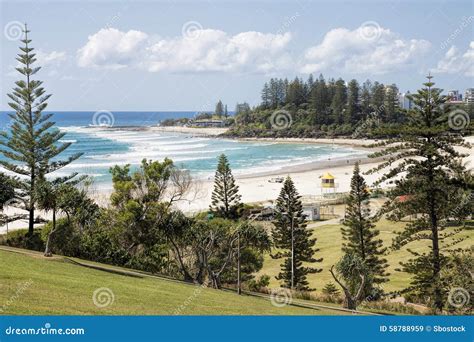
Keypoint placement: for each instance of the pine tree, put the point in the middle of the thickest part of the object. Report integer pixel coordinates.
(352, 114)
(32, 146)
(330, 290)
(359, 233)
(391, 104)
(431, 184)
(266, 96)
(225, 197)
(291, 235)
(339, 101)
(377, 97)
(365, 99)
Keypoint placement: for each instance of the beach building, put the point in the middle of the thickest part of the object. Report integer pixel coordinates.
(312, 212)
(328, 181)
(208, 123)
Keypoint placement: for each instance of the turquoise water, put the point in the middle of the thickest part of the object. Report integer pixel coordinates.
(104, 148)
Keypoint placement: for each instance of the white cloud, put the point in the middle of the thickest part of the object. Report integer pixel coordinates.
(207, 50)
(372, 50)
(53, 58)
(111, 48)
(455, 62)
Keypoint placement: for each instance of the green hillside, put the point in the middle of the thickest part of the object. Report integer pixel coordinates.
(31, 284)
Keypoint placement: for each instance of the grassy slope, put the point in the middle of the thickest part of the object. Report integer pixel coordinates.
(59, 287)
(329, 243)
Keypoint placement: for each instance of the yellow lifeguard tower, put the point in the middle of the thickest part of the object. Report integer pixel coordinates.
(328, 183)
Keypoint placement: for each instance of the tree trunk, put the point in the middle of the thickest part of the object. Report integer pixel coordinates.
(31, 221)
(47, 252)
(438, 296)
(292, 255)
(350, 301)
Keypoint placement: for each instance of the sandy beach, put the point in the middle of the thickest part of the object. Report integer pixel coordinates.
(257, 188)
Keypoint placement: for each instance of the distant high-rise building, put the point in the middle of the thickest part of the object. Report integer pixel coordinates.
(454, 96)
(469, 95)
(404, 101)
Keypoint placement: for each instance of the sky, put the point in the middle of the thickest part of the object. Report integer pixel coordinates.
(186, 55)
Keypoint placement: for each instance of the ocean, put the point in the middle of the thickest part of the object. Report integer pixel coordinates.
(104, 148)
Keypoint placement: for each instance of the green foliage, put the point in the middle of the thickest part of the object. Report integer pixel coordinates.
(225, 196)
(351, 273)
(21, 238)
(431, 185)
(330, 290)
(350, 268)
(293, 240)
(7, 191)
(66, 240)
(321, 108)
(257, 285)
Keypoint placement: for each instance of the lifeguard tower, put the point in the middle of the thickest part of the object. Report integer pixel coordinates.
(328, 183)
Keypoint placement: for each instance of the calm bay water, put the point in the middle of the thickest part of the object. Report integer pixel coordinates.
(104, 148)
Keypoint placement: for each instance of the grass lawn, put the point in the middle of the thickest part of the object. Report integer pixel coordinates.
(329, 242)
(56, 286)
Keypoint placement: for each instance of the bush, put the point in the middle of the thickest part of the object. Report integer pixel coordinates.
(257, 285)
(65, 240)
(20, 239)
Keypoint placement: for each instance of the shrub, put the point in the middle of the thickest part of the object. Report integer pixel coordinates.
(258, 284)
(20, 239)
(65, 240)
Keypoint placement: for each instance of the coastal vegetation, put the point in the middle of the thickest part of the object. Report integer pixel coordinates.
(143, 229)
(317, 108)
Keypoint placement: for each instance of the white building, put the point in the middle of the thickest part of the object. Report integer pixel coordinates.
(404, 101)
(469, 95)
(312, 212)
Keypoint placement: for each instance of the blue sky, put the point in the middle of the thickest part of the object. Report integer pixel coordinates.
(176, 55)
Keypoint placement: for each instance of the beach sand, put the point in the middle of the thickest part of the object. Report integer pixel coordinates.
(257, 188)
